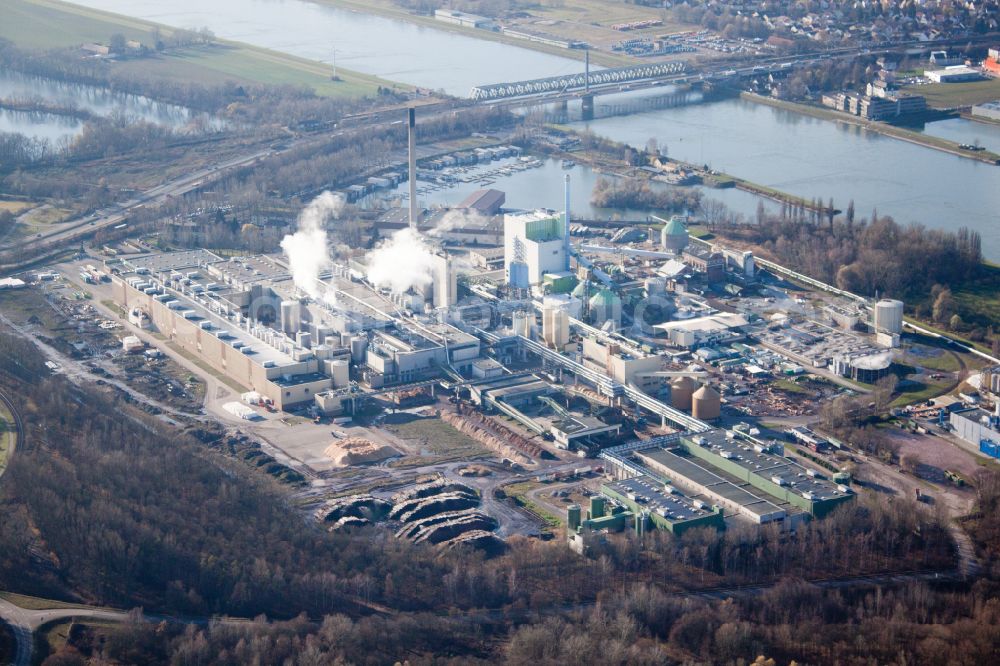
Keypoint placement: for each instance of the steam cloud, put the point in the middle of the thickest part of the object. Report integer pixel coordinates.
(306, 249)
(456, 218)
(402, 262)
(406, 260)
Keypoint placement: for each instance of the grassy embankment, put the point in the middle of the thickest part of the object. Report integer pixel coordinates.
(518, 492)
(14, 207)
(50, 24)
(8, 437)
(390, 10)
(881, 128)
(955, 95)
(39, 603)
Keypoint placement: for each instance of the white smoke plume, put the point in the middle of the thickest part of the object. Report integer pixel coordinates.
(404, 261)
(456, 219)
(306, 249)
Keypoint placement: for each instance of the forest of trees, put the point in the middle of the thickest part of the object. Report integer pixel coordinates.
(106, 506)
(636, 194)
(875, 256)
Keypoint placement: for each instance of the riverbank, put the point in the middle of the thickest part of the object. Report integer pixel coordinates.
(37, 106)
(53, 24)
(389, 10)
(892, 131)
(606, 164)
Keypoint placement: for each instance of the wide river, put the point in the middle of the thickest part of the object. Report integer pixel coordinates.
(801, 155)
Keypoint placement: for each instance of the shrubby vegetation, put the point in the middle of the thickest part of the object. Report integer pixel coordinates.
(874, 256)
(641, 195)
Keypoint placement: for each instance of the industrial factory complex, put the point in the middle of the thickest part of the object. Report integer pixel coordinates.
(642, 354)
(636, 358)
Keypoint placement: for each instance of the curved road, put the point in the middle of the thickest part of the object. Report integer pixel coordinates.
(25, 622)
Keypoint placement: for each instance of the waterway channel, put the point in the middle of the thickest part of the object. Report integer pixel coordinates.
(94, 100)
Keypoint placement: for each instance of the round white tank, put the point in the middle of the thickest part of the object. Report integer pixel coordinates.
(521, 324)
(340, 371)
(889, 316)
(359, 349)
(289, 317)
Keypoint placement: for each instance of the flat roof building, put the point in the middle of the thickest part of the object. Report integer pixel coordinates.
(666, 507)
(699, 478)
(484, 202)
(775, 475)
(954, 74)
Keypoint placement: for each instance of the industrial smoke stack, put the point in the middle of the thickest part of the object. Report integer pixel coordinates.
(412, 118)
(566, 244)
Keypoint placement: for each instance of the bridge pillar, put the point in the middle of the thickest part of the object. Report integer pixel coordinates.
(562, 105)
(587, 107)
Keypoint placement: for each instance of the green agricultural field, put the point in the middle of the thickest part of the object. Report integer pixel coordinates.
(951, 95)
(219, 63)
(46, 24)
(49, 24)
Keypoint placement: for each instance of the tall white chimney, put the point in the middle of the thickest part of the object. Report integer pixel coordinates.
(566, 243)
(412, 118)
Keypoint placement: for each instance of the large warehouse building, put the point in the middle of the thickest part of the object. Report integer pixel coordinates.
(245, 317)
(743, 477)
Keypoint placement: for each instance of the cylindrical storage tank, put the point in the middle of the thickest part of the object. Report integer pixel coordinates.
(655, 286)
(674, 235)
(359, 349)
(289, 317)
(706, 404)
(521, 323)
(322, 352)
(518, 277)
(597, 506)
(345, 340)
(889, 316)
(605, 306)
(340, 372)
(681, 390)
(573, 517)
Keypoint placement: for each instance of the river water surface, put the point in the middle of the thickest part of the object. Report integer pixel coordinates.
(804, 156)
